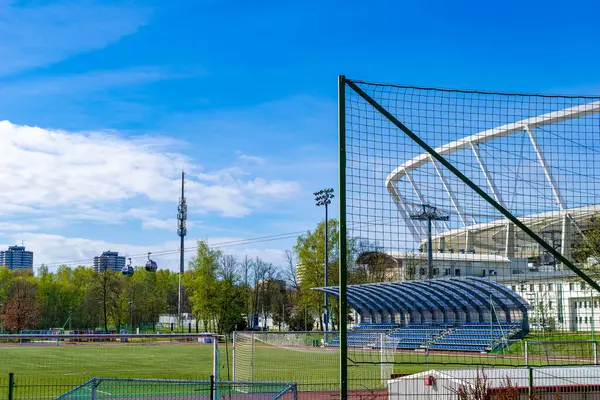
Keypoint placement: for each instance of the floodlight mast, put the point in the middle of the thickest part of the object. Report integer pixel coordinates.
(323, 198)
(181, 232)
(429, 213)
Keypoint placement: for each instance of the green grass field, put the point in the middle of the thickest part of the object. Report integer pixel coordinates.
(60, 368)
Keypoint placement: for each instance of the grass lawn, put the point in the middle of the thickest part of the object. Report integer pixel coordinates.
(56, 369)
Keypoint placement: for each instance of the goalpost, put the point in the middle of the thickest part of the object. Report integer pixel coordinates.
(305, 356)
(561, 352)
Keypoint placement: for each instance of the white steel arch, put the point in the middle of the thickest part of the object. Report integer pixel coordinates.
(472, 142)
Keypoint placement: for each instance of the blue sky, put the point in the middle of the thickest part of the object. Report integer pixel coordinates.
(241, 93)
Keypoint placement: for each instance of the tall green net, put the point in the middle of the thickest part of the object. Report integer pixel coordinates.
(475, 218)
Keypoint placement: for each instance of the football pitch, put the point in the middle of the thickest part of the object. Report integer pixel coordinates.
(58, 369)
(183, 361)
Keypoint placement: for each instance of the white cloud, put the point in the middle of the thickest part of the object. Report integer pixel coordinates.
(249, 158)
(39, 35)
(15, 226)
(53, 250)
(68, 85)
(92, 175)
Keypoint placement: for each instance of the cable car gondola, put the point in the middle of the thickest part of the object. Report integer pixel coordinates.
(128, 269)
(151, 266)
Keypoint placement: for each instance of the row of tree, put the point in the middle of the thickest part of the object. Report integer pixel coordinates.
(221, 291)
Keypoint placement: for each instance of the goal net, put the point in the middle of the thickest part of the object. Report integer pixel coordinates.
(561, 353)
(309, 357)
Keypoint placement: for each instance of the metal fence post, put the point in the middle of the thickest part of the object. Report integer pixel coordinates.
(11, 385)
(530, 384)
(381, 360)
(526, 354)
(94, 386)
(343, 305)
(595, 349)
(233, 354)
(212, 387)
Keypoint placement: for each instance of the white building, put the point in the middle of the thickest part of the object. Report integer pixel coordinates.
(570, 382)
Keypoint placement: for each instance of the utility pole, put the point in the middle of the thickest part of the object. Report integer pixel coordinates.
(323, 198)
(131, 315)
(181, 232)
(429, 213)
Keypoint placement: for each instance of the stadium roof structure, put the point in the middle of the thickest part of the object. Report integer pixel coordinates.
(561, 207)
(434, 299)
(490, 237)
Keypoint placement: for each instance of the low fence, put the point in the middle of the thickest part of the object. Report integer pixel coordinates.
(16, 387)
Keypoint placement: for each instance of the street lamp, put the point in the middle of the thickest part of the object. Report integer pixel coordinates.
(323, 198)
(429, 213)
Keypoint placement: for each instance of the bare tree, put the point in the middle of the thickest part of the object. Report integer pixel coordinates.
(290, 273)
(228, 268)
(246, 267)
(259, 271)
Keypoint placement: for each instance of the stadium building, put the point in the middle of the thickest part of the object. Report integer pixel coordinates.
(484, 270)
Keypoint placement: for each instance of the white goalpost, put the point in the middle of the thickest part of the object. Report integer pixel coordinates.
(307, 356)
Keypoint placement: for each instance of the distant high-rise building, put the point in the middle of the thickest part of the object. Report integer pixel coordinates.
(16, 258)
(300, 271)
(109, 260)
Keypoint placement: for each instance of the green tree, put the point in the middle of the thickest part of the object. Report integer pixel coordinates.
(310, 250)
(201, 282)
(107, 288)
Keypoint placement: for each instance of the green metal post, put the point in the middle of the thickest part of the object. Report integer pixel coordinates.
(593, 316)
(11, 385)
(342, 270)
(530, 382)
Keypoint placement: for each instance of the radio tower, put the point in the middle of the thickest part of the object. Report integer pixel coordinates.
(181, 232)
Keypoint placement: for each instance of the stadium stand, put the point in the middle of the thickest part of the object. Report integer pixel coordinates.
(472, 337)
(479, 337)
(450, 314)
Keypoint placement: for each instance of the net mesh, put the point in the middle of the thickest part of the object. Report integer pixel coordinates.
(311, 358)
(561, 353)
(463, 258)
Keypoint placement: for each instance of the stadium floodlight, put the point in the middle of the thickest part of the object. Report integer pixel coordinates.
(429, 213)
(181, 232)
(323, 198)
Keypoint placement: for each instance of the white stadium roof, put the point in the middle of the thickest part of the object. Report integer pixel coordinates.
(492, 234)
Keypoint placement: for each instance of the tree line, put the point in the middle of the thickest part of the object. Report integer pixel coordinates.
(221, 291)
